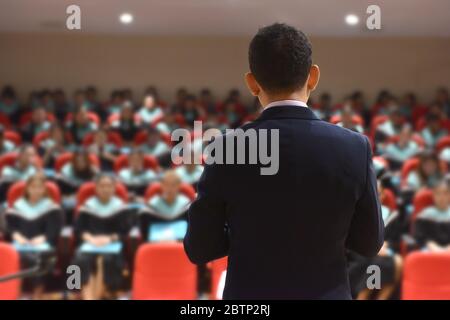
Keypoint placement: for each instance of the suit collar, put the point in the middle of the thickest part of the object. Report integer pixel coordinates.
(283, 112)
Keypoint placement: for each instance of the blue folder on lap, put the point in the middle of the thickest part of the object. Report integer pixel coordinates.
(31, 248)
(114, 247)
(167, 231)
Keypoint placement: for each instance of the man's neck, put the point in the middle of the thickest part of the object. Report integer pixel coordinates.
(296, 96)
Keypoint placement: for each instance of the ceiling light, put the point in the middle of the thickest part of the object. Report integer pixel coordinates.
(126, 18)
(351, 19)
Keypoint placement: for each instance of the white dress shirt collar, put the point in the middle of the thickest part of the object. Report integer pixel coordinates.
(297, 103)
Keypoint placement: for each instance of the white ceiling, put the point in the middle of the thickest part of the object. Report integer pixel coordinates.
(228, 17)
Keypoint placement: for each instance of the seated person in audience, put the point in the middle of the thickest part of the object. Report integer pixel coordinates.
(324, 109)
(169, 206)
(389, 262)
(167, 123)
(432, 226)
(443, 99)
(81, 125)
(116, 102)
(9, 104)
(206, 101)
(38, 123)
(126, 124)
(73, 174)
(101, 228)
(232, 114)
(191, 111)
(149, 112)
(391, 127)
(62, 106)
(135, 176)
(156, 147)
(22, 169)
(53, 146)
(403, 149)
(190, 173)
(347, 120)
(106, 151)
(433, 130)
(6, 146)
(428, 173)
(34, 223)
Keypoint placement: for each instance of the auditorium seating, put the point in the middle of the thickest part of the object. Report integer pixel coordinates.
(426, 276)
(162, 271)
(87, 190)
(121, 162)
(66, 157)
(218, 270)
(17, 189)
(155, 188)
(9, 264)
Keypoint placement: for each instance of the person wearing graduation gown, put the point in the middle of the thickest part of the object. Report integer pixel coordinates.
(101, 227)
(432, 226)
(190, 173)
(105, 151)
(22, 169)
(34, 223)
(388, 260)
(135, 176)
(168, 207)
(156, 147)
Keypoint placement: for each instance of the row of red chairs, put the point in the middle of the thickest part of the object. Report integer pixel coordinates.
(162, 271)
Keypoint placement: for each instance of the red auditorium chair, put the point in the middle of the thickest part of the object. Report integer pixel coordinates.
(162, 271)
(10, 263)
(116, 116)
(141, 137)
(217, 268)
(155, 188)
(14, 137)
(356, 119)
(87, 190)
(113, 137)
(27, 117)
(18, 188)
(4, 121)
(443, 143)
(9, 159)
(412, 164)
(426, 276)
(422, 199)
(67, 156)
(421, 124)
(121, 162)
(415, 137)
(91, 115)
(388, 199)
(43, 135)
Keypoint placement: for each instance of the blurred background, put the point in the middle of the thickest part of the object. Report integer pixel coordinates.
(86, 117)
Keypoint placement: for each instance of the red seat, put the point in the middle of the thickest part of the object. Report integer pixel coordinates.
(415, 137)
(443, 143)
(356, 119)
(91, 115)
(13, 137)
(27, 117)
(112, 137)
(388, 199)
(67, 156)
(10, 263)
(9, 159)
(87, 190)
(141, 137)
(116, 116)
(426, 276)
(121, 162)
(155, 188)
(162, 271)
(4, 121)
(217, 267)
(422, 199)
(18, 188)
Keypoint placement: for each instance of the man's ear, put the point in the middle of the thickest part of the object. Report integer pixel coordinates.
(313, 79)
(252, 85)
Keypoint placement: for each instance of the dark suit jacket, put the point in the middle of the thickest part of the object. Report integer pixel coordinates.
(286, 234)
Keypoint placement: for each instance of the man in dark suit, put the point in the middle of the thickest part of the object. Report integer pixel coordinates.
(286, 234)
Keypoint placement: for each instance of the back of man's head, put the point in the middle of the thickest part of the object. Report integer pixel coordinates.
(280, 58)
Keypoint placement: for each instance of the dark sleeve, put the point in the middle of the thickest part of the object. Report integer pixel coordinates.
(207, 236)
(81, 225)
(12, 224)
(425, 230)
(53, 225)
(366, 233)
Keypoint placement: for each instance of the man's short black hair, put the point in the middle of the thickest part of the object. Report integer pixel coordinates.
(280, 58)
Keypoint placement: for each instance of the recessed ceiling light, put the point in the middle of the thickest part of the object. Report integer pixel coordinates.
(351, 19)
(126, 18)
